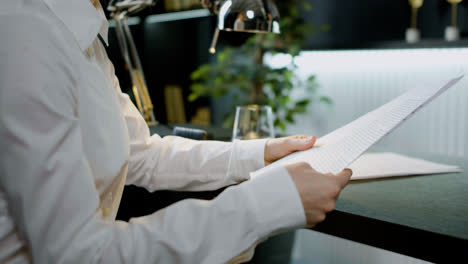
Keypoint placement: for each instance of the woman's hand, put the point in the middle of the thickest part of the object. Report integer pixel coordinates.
(318, 191)
(278, 148)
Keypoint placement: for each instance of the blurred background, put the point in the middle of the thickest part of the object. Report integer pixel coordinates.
(173, 39)
(334, 61)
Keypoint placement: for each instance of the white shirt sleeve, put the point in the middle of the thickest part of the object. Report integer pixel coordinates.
(177, 163)
(51, 191)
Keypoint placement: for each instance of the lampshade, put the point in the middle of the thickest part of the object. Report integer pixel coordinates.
(255, 16)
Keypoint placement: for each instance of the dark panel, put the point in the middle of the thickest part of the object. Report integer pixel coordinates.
(171, 52)
(137, 201)
(356, 24)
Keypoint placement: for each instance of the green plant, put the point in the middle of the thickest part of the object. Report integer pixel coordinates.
(240, 71)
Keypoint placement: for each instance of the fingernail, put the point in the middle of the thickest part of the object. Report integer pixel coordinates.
(349, 171)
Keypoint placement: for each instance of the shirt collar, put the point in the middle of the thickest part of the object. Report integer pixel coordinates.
(82, 19)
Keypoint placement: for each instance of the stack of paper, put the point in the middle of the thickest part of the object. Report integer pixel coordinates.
(340, 148)
(379, 165)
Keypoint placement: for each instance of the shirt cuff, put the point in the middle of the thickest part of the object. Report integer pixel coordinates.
(248, 156)
(276, 202)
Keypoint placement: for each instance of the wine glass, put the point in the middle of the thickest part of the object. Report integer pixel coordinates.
(253, 122)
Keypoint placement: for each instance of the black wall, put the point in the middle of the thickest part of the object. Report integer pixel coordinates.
(365, 23)
(169, 52)
(172, 51)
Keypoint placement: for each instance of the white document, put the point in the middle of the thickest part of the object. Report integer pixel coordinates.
(338, 149)
(379, 165)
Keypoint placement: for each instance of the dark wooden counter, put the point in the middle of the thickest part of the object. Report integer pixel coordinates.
(425, 217)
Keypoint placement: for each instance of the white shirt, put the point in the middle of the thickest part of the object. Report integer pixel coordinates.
(71, 140)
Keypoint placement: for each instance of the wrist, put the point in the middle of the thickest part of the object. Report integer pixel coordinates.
(247, 156)
(266, 157)
(277, 202)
